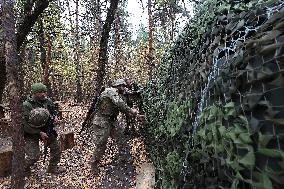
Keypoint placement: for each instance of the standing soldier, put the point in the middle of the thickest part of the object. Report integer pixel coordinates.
(133, 98)
(39, 120)
(109, 104)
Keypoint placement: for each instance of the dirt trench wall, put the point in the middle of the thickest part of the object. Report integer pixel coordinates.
(216, 108)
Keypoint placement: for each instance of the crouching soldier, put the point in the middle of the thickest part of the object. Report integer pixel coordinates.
(109, 104)
(39, 121)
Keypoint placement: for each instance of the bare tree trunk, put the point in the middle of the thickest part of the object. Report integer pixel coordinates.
(41, 43)
(98, 31)
(98, 21)
(117, 51)
(103, 58)
(95, 40)
(45, 57)
(172, 16)
(12, 66)
(2, 57)
(70, 15)
(79, 94)
(46, 76)
(150, 56)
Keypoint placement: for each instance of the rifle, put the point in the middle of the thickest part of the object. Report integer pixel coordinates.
(90, 114)
(91, 111)
(134, 98)
(49, 132)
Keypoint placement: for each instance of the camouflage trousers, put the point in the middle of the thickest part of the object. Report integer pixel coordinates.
(101, 129)
(32, 151)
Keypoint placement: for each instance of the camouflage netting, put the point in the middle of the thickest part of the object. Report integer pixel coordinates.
(216, 108)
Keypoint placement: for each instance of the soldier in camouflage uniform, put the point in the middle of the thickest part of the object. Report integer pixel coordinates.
(39, 118)
(109, 104)
(133, 98)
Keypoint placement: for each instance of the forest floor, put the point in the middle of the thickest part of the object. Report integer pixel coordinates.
(121, 169)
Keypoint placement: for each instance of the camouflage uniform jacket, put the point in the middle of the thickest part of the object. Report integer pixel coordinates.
(29, 105)
(110, 103)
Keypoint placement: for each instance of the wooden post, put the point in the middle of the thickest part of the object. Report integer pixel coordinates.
(67, 140)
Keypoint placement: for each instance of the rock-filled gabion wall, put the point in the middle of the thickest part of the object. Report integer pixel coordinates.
(216, 108)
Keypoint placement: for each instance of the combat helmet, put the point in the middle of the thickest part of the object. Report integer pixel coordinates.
(119, 82)
(38, 117)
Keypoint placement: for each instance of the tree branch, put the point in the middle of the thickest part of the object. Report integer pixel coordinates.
(29, 20)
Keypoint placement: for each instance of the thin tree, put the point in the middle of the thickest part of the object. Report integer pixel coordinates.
(2, 57)
(103, 57)
(76, 45)
(117, 43)
(79, 96)
(150, 56)
(46, 70)
(45, 56)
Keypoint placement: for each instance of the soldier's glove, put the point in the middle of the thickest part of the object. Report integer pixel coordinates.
(43, 137)
(140, 118)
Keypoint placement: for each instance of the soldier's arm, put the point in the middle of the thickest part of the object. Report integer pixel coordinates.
(26, 112)
(53, 112)
(51, 108)
(122, 106)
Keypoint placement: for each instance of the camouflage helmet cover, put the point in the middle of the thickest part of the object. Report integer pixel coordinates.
(119, 82)
(38, 117)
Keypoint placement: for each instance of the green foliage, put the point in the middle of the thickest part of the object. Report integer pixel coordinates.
(173, 163)
(174, 118)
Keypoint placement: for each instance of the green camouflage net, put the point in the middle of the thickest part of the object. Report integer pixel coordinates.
(216, 109)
